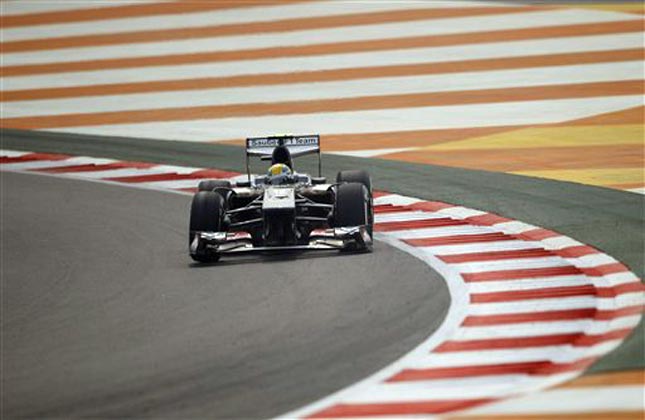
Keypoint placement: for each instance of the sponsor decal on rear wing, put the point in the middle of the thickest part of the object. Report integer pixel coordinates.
(297, 145)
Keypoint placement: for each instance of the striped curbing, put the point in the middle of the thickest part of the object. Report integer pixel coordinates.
(530, 308)
(613, 395)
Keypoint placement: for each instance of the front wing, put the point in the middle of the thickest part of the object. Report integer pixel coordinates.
(354, 238)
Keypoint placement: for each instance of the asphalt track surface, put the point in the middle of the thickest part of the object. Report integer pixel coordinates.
(105, 315)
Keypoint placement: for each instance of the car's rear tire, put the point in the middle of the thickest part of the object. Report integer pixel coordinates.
(357, 175)
(211, 184)
(362, 177)
(206, 214)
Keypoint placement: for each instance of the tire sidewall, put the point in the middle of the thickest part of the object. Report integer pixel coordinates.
(352, 205)
(206, 215)
(363, 177)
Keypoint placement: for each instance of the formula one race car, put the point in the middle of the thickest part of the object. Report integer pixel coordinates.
(283, 210)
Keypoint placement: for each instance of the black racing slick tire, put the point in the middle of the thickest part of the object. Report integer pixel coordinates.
(206, 214)
(352, 205)
(362, 177)
(211, 184)
(357, 175)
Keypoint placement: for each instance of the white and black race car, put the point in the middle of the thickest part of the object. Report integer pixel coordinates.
(284, 210)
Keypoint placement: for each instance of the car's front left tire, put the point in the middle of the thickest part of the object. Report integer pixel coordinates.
(362, 177)
(353, 207)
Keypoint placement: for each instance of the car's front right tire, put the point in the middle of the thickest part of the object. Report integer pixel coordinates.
(206, 214)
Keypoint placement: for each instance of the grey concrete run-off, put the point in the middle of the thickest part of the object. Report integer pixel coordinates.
(610, 220)
(105, 315)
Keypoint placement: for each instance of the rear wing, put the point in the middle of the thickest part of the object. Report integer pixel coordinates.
(298, 146)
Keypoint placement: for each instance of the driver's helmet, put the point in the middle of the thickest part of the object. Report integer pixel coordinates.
(278, 174)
